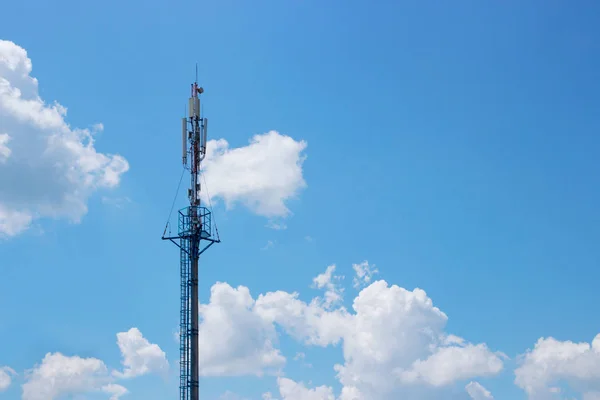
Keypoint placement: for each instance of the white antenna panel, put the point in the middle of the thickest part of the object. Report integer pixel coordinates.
(191, 106)
(184, 139)
(194, 106)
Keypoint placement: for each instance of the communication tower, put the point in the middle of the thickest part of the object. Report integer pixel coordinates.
(195, 236)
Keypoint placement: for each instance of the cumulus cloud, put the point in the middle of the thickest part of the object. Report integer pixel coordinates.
(291, 390)
(262, 176)
(59, 375)
(552, 362)
(309, 323)
(6, 375)
(393, 343)
(115, 391)
(478, 392)
(396, 346)
(454, 363)
(47, 168)
(229, 395)
(236, 339)
(140, 357)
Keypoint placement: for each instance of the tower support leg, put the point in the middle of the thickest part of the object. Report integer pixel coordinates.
(194, 359)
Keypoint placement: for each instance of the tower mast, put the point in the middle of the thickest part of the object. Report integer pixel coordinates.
(195, 235)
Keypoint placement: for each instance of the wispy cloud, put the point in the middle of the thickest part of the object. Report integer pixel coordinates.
(276, 225)
(118, 202)
(269, 245)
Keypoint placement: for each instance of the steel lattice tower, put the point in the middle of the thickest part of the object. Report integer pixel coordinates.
(195, 235)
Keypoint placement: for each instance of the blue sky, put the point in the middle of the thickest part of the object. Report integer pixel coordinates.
(452, 145)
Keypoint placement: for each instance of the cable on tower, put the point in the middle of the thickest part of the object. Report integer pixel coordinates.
(174, 200)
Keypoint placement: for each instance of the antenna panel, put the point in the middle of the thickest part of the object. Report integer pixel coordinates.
(184, 140)
(191, 107)
(194, 107)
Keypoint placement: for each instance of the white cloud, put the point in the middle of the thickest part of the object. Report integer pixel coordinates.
(552, 361)
(478, 392)
(291, 390)
(5, 151)
(47, 168)
(351, 393)
(333, 292)
(263, 176)
(236, 339)
(115, 391)
(13, 222)
(6, 375)
(309, 323)
(59, 375)
(449, 364)
(363, 273)
(229, 395)
(140, 357)
(394, 343)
